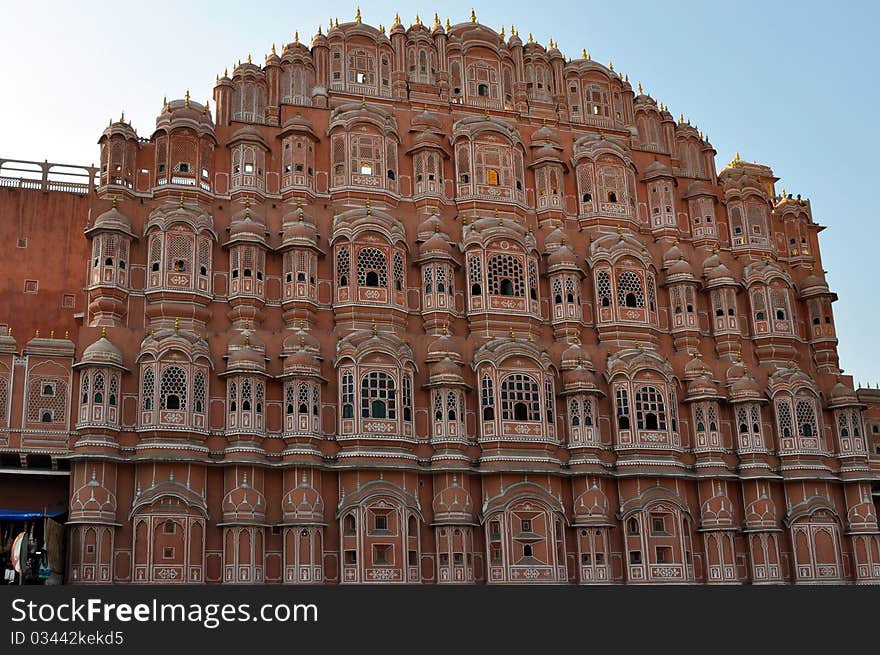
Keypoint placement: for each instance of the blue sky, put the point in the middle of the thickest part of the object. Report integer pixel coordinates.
(791, 85)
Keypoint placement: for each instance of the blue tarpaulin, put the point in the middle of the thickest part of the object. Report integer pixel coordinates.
(21, 515)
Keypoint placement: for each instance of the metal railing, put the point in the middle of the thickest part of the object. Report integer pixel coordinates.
(47, 176)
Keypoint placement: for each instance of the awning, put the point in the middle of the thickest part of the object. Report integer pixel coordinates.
(22, 515)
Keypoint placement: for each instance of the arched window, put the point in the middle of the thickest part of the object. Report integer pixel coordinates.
(487, 398)
(629, 290)
(372, 268)
(378, 396)
(622, 398)
(505, 276)
(805, 411)
(347, 395)
(172, 389)
(149, 387)
(650, 409)
(520, 398)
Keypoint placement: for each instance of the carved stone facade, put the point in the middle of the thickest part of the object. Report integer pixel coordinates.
(439, 306)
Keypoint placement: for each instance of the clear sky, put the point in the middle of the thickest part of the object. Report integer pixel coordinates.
(788, 84)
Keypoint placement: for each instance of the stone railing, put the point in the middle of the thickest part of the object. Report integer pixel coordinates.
(47, 176)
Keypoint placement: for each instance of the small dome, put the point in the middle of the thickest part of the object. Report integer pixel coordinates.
(695, 368)
(719, 272)
(247, 230)
(92, 500)
(701, 387)
(444, 346)
(303, 505)
(301, 339)
(246, 359)
(682, 268)
(761, 513)
(425, 120)
(575, 355)
(113, 220)
(717, 512)
(553, 240)
(745, 388)
(453, 504)
(102, 353)
(562, 256)
(579, 378)
(842, 396)
(244, 503)
(429, 226)
(436, 245)
(672, 255)
(592, 506)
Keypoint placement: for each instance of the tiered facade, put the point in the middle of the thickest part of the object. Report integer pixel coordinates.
(440, 306)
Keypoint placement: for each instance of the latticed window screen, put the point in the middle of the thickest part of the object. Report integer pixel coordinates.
(574, 412)
(596, 101)
(149, 388)
(302, 398)
(699, 419)
(246, 395)
(372, 260)
(398, 272)
(463, 163)
(783, 415)
(199, 392)
(475, 271)
(4, 400)
(47, 400)
(533, 279)
(805, 411)
(233, 396)
(557, 290)
(453, 406)
(650, 409)
(438, 406)
(180, 253)
(361, 67)
(84, 388)
(172, 388)
(520, 398)
(98, 388)
(652, 294)
(442, 275)
(779, 302)
(378, 396)
(493, 164)
(612, 184)
(343, 266)
(347, 395)
(479, 75)
(366, 157)
(487, 397)
(428, 273)
(407, 397)
(622, 406)
(316, 400)
(603, 288)
(155, 251)
(629, 283)
(505, 276)
(549, 400)
(713, 417)
(588, 412)
(290, 398)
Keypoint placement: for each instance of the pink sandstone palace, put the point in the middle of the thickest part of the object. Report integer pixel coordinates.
(428, 304)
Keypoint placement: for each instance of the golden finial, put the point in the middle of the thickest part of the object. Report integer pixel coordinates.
(66, 334)
(702, 138)
(115, 202)
(396, 18)
(319, 31)
(739, 356)
(180, 203)
(273, 49)
(418, 20)
(381, 28)
(363, 102)
(620, 232)
(335, 22)
(640, 88)
(511, 334)
(445, 329)
(302, 324)
(369, 208)
(247, 340)
(217, 80)
(9, 332)
(37, 333)
(331, 24)
(611, 66)
(375, 329)
(473, 16)
(680, 118)
(122, 117)
(512, 30)
(247, 324)
(448, 25)
(186, 99)
(176, 324)
(249, 58)
(51, 334)
(207, 107)
(736, 158)
(502, 32)
(745, 371)
(436, 19)
(104, 332)
(357, 16)
(531, 40)
(225, 72)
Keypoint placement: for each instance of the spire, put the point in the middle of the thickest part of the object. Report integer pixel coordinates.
(396, 18)
(448, 25)
(249, 58)
(273, 49)
(640, 88)
(531, 40)
(502, 32)
(473, 16)
(186, 99)
(357, 16)
(436, 20)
